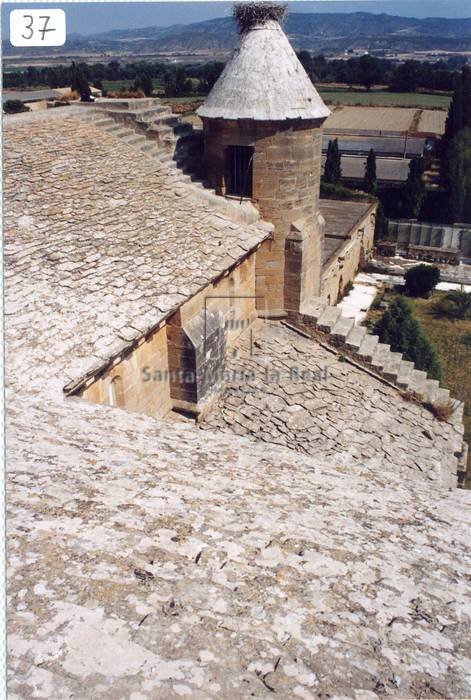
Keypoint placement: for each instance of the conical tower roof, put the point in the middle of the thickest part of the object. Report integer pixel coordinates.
(264, 80)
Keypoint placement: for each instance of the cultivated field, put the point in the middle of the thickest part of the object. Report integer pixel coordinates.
(382, 98)
(432, 121)
(371, 118)
(351, 119)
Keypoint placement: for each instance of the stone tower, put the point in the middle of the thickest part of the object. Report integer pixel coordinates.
(262, 126)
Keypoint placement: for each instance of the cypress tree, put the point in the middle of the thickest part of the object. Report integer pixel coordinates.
(400, 329)
(333, 167)
(414, 190)
(456, 110)
(466, 81)
(79, 81)
(381, 224)
(370, 183)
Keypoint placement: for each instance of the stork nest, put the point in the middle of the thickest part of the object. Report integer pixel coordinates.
(248, 14)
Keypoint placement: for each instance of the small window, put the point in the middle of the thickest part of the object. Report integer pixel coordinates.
(239, 160)
(115, 392)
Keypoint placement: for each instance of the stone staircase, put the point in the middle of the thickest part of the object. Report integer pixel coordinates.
(328, 324)
(150, 127)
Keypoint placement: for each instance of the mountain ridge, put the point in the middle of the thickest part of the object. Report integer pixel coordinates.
(311, 31)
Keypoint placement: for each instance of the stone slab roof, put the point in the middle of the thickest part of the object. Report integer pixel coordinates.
(101, 242)
(264, 80)
(288, 390)
(156, 560)
(341, 217)
(152, 560)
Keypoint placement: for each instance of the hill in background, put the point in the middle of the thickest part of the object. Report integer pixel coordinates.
(311, 31)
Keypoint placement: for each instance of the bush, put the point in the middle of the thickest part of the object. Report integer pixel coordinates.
(14, 107)
(330, 190)
(466, 339)
(421, 279)
(399, 328)
(455, 305)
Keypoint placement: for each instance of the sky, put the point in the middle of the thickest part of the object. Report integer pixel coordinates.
(95, 17)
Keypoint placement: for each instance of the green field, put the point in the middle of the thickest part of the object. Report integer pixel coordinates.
(382, 98)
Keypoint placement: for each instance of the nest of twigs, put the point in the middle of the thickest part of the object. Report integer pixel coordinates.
(248, 14)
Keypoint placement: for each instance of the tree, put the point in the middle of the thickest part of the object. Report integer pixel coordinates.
(457, 177)
(370, 71)
(144, 82)
(14, 107)
(421, 279)
(400, 329)
(405, 77)
(414, 192)
(381, 224)
(333, 163)
(370, 183)
(79, 81)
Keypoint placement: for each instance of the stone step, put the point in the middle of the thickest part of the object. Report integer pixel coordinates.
(404, 374)
(165, 156)
(392, 366)
(149, 147)
(418, 382)
(355, 337)
(121, 132)
(368, 347)
(134, 139)
(313, 310)
(432, 387)
(381, 356)
(442, 397)
(328, 318)
(342, 328)
(148, 115)
(103, 122)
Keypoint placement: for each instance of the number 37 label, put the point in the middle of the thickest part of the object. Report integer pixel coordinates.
(37, 27)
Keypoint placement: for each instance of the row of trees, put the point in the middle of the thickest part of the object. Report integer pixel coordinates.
(368, 71)
(399, 328)
(455, 150)
(364, 71)
(177, 80)
(410, 198)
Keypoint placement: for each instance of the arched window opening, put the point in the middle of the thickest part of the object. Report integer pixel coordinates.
(115, 392)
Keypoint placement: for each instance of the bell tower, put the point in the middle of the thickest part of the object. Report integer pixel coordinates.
(262, 125)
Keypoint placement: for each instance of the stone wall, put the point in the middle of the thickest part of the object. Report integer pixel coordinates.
(343, 267)
(157, 376)
(141, 378)
(286, 176)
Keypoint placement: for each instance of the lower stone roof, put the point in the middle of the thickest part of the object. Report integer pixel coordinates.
(341, 217)
(288, 390)
(101, 242)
